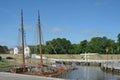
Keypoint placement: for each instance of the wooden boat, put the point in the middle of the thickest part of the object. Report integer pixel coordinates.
(41, 69)
(52, 73)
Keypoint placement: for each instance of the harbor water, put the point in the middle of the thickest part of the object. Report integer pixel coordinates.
(89, 73)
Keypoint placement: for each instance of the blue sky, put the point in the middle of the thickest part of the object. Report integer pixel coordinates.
(75, 20)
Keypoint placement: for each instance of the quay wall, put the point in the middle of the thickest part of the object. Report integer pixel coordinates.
(111, 67)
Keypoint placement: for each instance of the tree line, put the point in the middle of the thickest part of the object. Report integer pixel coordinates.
(3, 49)
(95, 45)
(64, 46)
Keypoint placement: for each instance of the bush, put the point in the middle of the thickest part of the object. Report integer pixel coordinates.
(0, 58)
(4, 64)
(9, 58)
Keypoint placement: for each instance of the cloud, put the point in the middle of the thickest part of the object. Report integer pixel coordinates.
(92, 33)
(53, 29)
(56, 30)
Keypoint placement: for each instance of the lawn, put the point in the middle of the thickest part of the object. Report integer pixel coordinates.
(4, 64)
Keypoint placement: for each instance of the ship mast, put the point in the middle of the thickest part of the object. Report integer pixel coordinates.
(22, 28)
(40, 39)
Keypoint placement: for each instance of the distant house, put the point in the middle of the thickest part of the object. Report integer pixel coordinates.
(18, 50)
(11, 51)
(27, 51)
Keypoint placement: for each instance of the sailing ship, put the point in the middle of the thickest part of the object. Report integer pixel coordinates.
(41, 69)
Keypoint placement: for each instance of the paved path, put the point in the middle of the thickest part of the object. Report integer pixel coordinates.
(81, 60)
(12, 76)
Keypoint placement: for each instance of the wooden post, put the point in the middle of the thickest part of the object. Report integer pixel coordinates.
(40, 39)
(22, 28)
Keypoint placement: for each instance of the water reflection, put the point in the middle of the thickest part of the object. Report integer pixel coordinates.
(89, 73)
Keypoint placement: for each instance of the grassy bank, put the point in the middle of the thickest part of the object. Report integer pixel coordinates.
(4, 64)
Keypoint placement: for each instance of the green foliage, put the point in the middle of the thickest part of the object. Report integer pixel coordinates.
(35, 49)
(4, 64)
(118, 44)
(83, 46)
(75, 49)
(95, 45)
(118, 38)
(64, 46)
(58, 46)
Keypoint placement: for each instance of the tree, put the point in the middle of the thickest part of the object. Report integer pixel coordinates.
(2, 50)
(75, 49)
(49, 48)
(95, 45)
(118, 43)
(118, 38)
(111, 45)
(34, 49)
(59, 45)
(83, 46)
(6, 48)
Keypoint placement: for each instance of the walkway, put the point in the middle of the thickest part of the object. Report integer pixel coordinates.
(12, 76)
(81, 60)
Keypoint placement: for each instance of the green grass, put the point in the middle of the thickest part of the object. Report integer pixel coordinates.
(4, 64)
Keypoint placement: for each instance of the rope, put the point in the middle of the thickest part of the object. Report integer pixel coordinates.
(19, 37)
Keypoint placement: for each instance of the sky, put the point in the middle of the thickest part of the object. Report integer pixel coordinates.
(75, 20)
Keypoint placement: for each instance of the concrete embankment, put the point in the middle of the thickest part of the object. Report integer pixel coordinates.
(12, 76)
(111, 67)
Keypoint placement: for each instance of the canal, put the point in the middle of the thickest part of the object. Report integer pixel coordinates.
(89, 73)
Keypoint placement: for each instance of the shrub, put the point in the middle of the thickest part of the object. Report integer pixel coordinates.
(9, 58)
(0, 58)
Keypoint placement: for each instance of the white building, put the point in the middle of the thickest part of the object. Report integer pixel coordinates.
(18, 50)
(27, 51)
